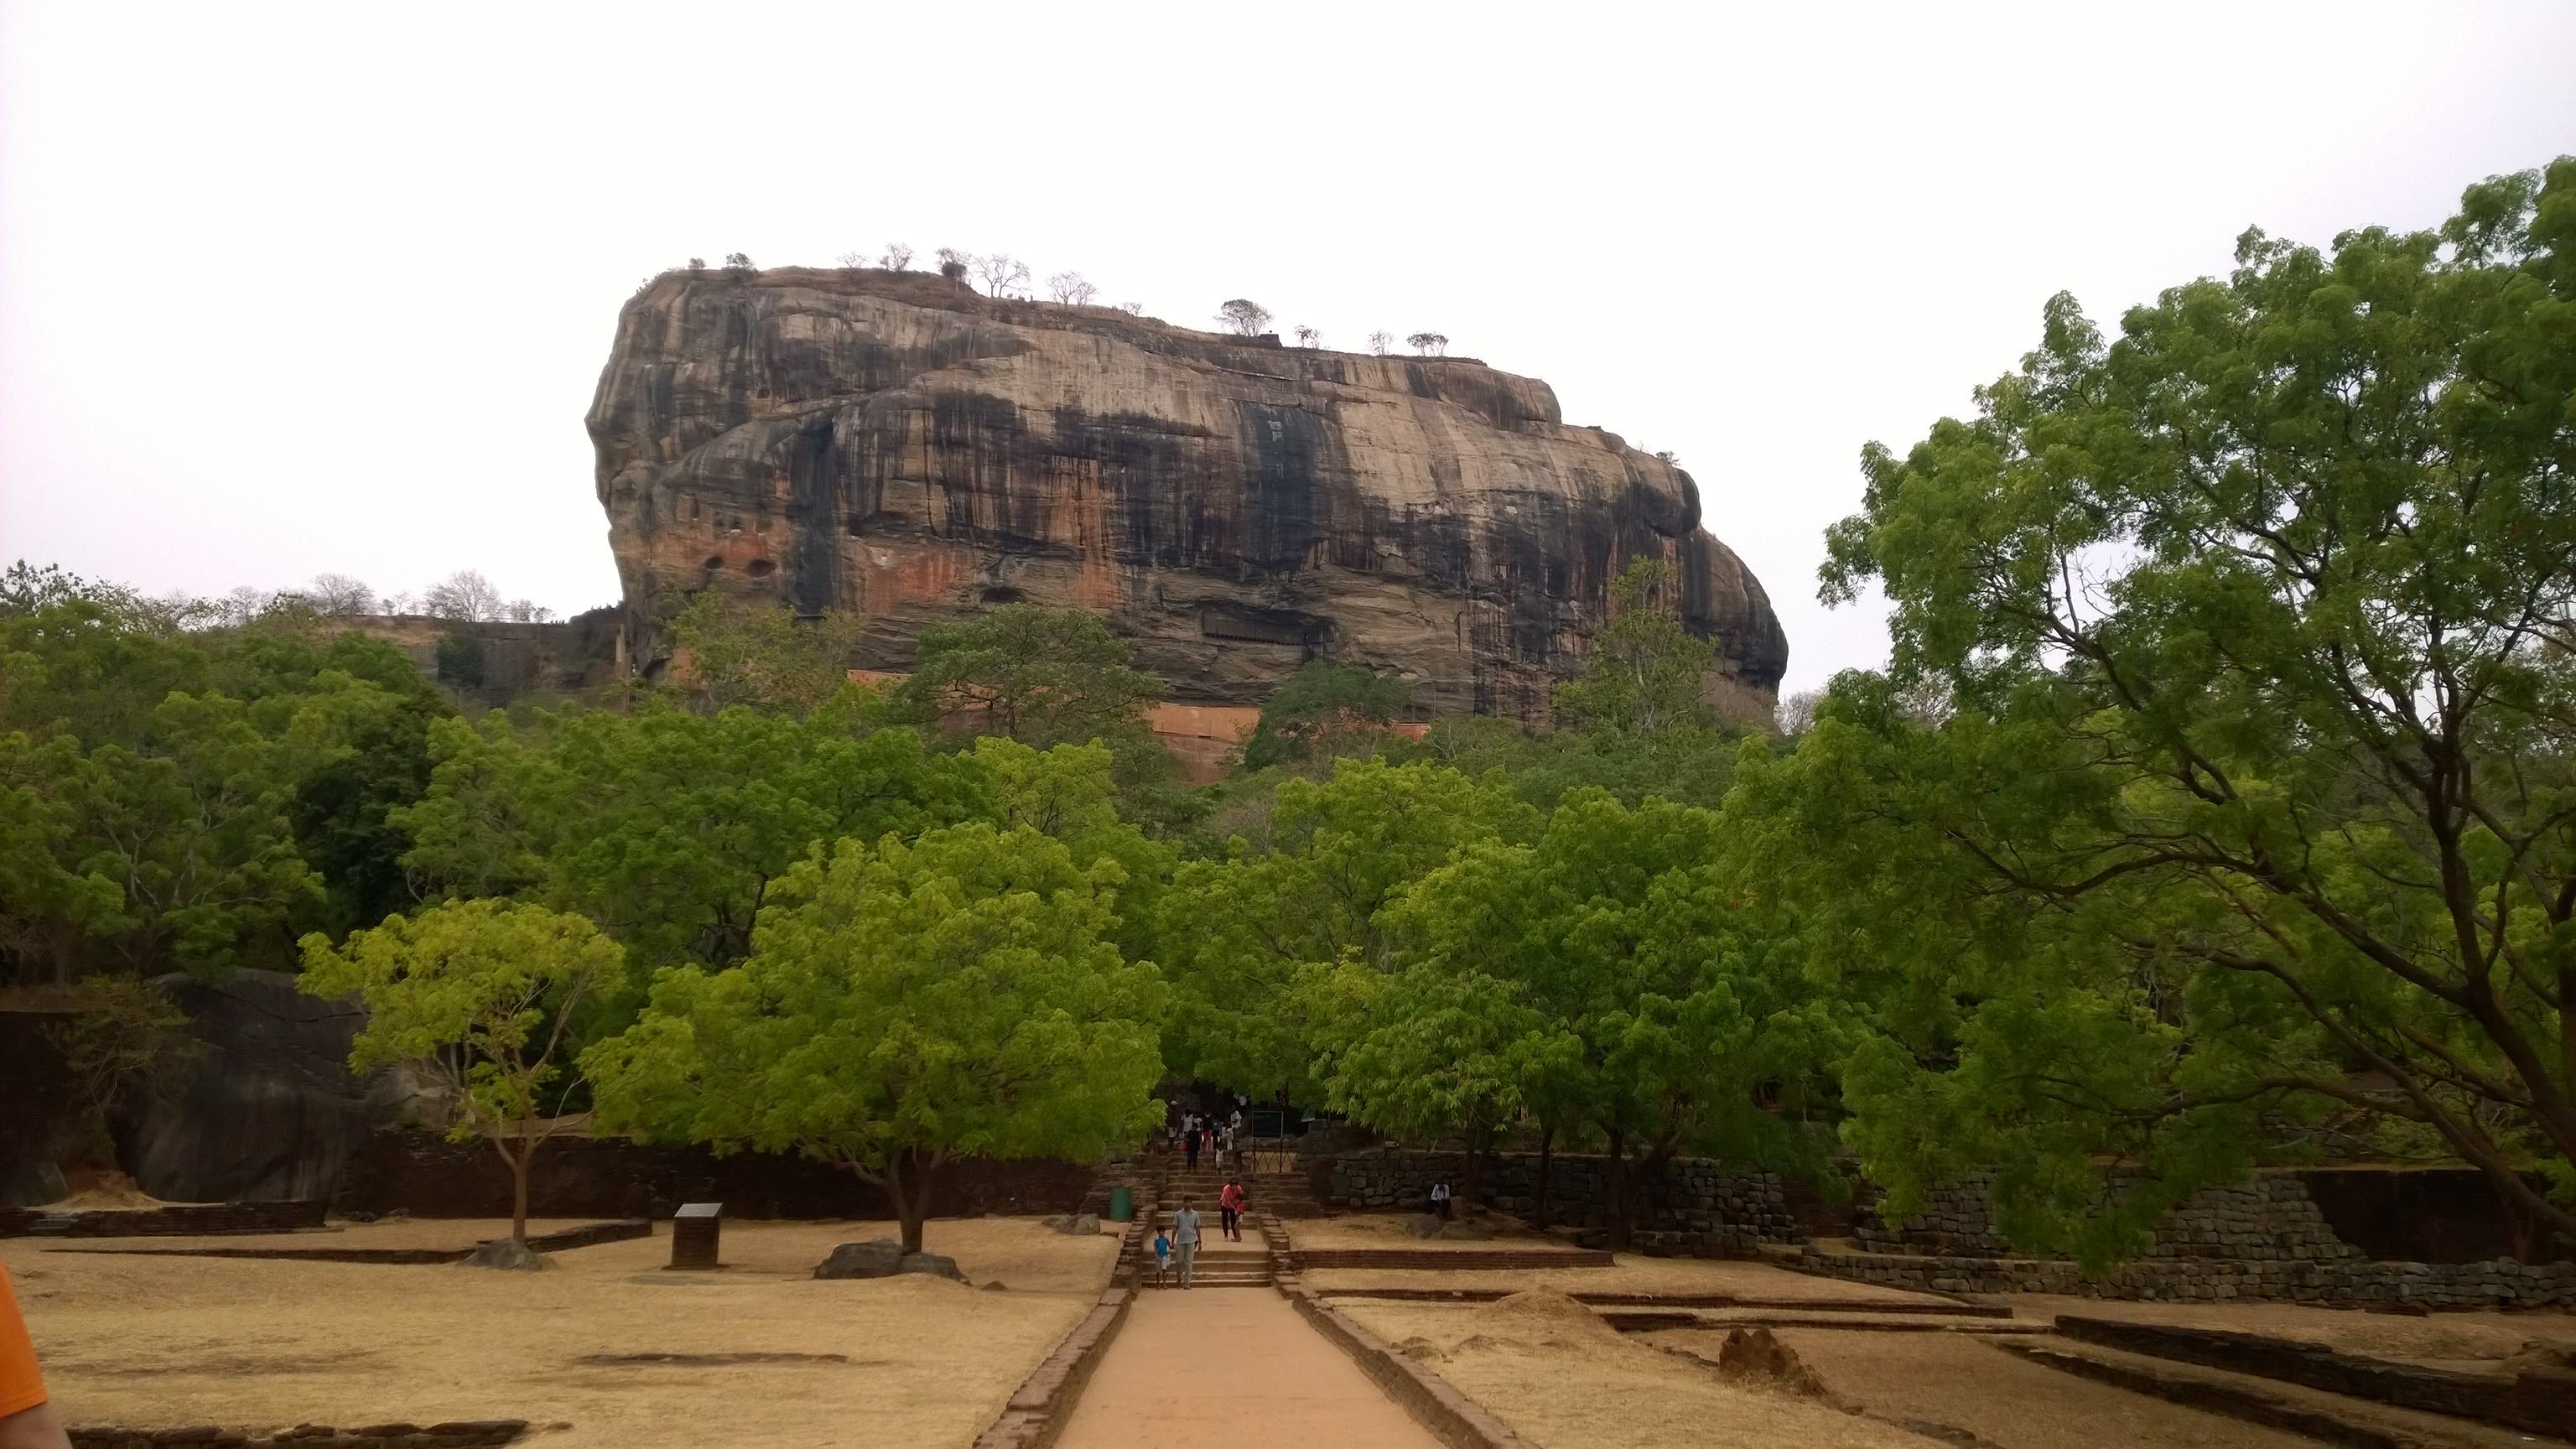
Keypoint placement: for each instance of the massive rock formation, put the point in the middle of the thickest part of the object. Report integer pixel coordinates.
(896, 445)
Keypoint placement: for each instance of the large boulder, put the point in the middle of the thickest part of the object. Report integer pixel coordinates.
(876, 1258)
(270, 1109)
(937, 1265)
(904, 450)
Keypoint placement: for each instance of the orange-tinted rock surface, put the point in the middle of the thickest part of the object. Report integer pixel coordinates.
(897, 446)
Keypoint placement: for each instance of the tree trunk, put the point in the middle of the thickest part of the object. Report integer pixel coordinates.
(1471, 1181)
(1614, 1197)
(1546, 1159)
(519, 1196)
(908, 1179)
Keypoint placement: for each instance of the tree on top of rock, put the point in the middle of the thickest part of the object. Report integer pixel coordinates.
(465, 596)
(1243, 317)
(1429, 344)
(1071, 289)
(483, 996)
(1001, 272)
(906, 1005)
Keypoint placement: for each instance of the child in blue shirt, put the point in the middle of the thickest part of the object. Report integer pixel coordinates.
(1162, 1256)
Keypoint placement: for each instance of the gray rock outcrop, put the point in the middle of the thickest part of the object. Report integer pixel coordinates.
(896, 446)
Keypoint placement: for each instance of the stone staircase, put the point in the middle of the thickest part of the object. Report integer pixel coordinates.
(1221, 1264)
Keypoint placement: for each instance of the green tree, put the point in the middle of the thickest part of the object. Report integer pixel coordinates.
(1644, 672)
(483, 996)
(766, 657)
(905, 1005)
(1239, 931)
(1033, 674)
(1324, 711)
(1437, 1051)
(666, 826)
(1664, 1013)
(2256, 627)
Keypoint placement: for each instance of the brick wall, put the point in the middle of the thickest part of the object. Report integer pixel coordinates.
(2269, 1219)
(589, 1177)
(2348, 1282)
(1695, 1205)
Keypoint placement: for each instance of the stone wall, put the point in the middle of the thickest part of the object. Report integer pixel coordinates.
(1697, 1205)
(590, 1177)
(2267, 1220)
(2349, 1282)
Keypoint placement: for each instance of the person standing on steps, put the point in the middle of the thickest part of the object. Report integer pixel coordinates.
(1162, 1258)
(1190, 1145)
(1185, 1238)
(1229, 1209)
(1440, 1200)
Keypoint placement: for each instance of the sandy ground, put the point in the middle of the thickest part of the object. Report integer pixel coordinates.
(1948, 1379)
(2471, 1342)
(1631, 1274)
(1569, 1381)
(1234, 1367)
(261, 1344)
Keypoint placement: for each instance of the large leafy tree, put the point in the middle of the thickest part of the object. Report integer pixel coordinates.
(1649, 1003)
(1325, 711)
(482, 996)
(1644, 671)
(2259, 791)
(1239, 930)
(904, 1005)
(1033, 674)
(666, 826)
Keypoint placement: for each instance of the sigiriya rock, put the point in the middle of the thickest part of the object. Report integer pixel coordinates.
(895, 445)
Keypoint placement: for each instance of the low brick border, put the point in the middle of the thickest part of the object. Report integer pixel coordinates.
(183, 1220)
(1944, 1308)
(587, 1235)
(1432, 1401)
(457, 1434)
(2536, 1403)
(1435, 1403)
(1458, 1260)
(2247, 1405)
(1036, 1412)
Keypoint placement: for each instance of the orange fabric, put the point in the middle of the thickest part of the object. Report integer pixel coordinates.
(1231, 1197)
(21, 1387)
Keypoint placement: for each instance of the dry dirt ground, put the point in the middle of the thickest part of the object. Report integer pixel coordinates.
(1565, 1380)
(602, 1342)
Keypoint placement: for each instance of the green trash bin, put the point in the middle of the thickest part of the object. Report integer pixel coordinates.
(1122, 1204)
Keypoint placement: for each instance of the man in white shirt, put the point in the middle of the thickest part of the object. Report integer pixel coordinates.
(1185, 1239)
(1440, 1200)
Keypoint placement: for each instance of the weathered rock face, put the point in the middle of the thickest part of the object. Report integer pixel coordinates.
(894, 445)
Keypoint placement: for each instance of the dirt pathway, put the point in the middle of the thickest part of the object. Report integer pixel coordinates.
(1231, 1366)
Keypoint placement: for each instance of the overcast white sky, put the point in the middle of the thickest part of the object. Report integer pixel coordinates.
(286, 288)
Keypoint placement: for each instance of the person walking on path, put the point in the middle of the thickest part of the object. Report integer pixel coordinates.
(27, 1418)
(1190, 1145)
(1162, 1258)
(1185, 1238)
(1229, 1209)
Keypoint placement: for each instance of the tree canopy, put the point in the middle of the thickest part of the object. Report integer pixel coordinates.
(904, 1004)
(2255, 794)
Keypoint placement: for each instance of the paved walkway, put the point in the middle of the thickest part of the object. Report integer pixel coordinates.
(1233, 1367)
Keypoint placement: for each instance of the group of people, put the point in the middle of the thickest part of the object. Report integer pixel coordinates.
(1179, 1243)
(1218, 1138)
